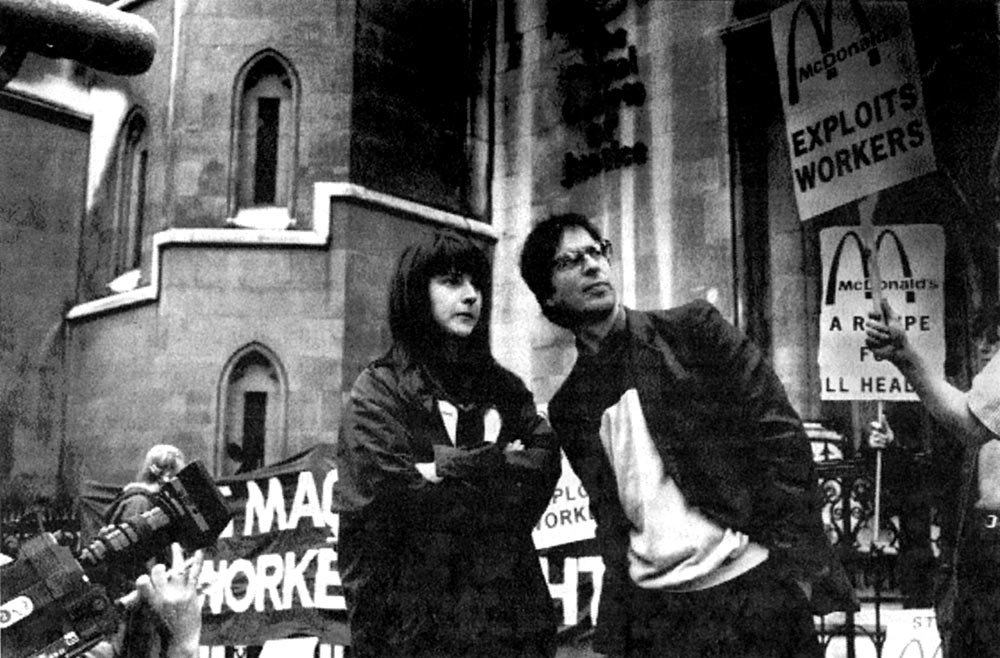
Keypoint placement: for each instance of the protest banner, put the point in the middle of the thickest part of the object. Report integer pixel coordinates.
(274, 568)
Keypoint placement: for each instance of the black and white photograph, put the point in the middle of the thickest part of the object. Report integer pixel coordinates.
(499, 328)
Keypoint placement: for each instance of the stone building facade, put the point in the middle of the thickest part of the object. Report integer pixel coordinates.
(219, 276)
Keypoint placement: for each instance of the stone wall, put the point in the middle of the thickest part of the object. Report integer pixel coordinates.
(616, 111)
(43, 156)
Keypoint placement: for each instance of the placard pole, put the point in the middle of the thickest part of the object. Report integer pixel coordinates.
(866, 209)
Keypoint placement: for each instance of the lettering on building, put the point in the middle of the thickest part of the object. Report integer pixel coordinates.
(597, 92)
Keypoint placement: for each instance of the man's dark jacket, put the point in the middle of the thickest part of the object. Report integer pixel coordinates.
(726, 433)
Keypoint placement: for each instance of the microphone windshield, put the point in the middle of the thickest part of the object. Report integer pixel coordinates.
(100, 37)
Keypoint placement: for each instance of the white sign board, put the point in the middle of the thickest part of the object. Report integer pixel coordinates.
(567, 518)
(909, 633)
(854, 106)
(911, 262)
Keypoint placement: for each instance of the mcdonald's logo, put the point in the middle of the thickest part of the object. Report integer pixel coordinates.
(824, 37)
(904, 262)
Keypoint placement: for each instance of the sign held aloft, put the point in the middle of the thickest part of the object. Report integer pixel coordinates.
(912, 265)
(854, 109)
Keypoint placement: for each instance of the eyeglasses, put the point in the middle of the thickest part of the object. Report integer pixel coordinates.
(573, 259)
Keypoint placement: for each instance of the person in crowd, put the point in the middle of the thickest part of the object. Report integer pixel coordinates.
(699, 472)
(912, 487)
(444, 468)
(144, 634)
(968, 599)
(160, 465)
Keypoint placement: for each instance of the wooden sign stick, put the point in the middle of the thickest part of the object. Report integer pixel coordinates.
(866, 209)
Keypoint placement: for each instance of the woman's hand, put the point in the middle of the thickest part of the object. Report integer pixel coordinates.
(429, 471)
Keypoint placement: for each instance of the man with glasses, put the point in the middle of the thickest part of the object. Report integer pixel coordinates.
(699, 472)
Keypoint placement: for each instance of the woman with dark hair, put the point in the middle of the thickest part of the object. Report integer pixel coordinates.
(444, 468)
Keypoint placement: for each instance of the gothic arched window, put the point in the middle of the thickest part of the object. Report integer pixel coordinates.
(130, 209)
(265, 125)
(253, 409)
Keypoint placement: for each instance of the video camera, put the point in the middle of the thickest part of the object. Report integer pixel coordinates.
(55, 605)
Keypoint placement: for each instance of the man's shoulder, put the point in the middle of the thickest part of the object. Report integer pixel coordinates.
(686, 316)
(680, 327)
(665, 329)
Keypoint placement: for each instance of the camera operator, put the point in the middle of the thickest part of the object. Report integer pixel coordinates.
(160, 466)
(143, 633)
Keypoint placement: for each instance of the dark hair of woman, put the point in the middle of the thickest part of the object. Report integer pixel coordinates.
(417, 338)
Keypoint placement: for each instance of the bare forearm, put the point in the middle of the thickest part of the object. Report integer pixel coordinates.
(945, 403)
(885, 337)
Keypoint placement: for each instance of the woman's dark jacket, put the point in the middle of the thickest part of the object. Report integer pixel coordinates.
(726, 433)
(449, 568)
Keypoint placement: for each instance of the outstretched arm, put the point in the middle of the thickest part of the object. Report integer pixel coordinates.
(885, 337)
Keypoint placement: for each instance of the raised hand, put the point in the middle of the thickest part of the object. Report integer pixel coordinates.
(884, 334)
(174, 595)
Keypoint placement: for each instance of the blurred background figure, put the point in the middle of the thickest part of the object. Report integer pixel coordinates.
(144, 634)
(161, 465)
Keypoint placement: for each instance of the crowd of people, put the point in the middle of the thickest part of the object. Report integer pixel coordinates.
(699, 473)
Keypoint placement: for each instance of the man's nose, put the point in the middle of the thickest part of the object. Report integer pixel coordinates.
(592, 262)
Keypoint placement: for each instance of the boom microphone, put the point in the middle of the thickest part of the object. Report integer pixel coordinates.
(102, 38)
